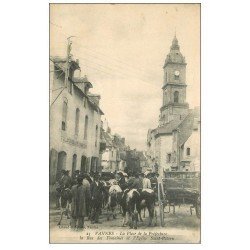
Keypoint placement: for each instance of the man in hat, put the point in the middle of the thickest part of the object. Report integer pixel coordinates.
(154, 181)
(121, 181)
(80, 193)
(96, 189)
(74, 177)
(86, 184)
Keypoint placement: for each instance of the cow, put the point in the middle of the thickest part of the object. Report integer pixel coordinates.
(114, 199)
(131, 205)
(147, 200)
(133, 201)
(65, 203)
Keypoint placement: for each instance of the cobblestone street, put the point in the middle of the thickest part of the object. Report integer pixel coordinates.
(179, 227)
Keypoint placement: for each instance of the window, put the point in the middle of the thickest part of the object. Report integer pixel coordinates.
(84, 102)
(176, 96)
(168, 158)
(64, 115)
(77, 121)
(96, 135)
(86, 127)
(188, 151)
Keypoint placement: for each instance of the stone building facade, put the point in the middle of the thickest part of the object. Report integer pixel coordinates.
(75, 120)
(114, 156)
(175, 144)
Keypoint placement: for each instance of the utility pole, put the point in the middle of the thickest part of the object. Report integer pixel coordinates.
(67, 68)
(68, 61)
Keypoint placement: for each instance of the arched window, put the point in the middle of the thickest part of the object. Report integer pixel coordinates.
(96, 135)
(77, 121)
(64, 114)
(86, 127)
(176, 96)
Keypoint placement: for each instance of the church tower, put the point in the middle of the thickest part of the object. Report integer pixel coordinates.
(174, 86)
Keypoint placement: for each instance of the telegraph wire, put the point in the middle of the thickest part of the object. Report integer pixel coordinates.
(58, 95)
(121, 73)
(117, 73)
(94, 53)
(56, 89)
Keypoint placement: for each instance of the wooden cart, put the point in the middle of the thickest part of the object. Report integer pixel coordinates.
(182, 188)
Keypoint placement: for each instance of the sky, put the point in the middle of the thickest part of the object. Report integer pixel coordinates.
(122, 48)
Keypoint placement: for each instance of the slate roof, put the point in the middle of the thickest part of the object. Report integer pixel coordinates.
(167, 128)
(61, 63)
(108, 138)
(185, 127)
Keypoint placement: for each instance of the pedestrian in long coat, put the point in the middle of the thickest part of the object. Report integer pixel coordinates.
(96, 190)
(80, 193)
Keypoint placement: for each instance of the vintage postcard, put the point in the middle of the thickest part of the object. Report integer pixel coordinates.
(124, 123)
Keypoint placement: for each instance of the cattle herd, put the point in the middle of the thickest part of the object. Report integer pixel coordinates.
(118, 193)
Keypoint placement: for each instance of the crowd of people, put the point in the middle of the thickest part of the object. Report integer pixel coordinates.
(88, 191)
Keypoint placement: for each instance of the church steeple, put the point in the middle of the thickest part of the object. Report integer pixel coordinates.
(174, 104)
(175, 45)
(174, 56)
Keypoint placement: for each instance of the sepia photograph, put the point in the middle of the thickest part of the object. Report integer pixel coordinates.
(124, 123)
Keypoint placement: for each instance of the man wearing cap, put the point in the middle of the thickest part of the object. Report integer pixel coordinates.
(80, 193)
(96, 189)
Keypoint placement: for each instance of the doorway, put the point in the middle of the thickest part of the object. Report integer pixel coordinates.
(61, 164)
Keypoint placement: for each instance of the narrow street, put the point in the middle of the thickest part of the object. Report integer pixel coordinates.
(179, 227)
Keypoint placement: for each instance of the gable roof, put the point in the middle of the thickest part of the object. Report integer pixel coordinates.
(184, 127)
(167, 128)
